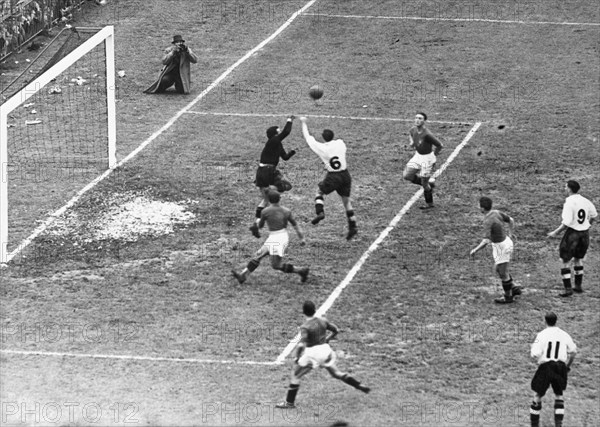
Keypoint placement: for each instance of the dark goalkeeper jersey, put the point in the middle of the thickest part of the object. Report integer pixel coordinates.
(273, 149)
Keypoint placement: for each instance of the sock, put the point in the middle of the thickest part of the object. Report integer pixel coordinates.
(351, 219)
(507, 286)
(351, 381)
(252, 265)
(566, 275)
(287, 268)
(578, 270)
(258, 211)
(534, 413)
(292, 392)
(319, 205)
(559, 412)
(428, 197)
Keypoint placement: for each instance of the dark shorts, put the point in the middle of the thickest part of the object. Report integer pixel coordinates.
(550, 374)
(574, 244)
(270, 175)
(337, 181)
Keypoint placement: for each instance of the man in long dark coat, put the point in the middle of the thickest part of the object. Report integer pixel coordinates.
(176, 70)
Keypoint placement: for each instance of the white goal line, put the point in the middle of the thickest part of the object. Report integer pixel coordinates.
(423, 18)
(324, 116)
(354, 270)
(133, 357)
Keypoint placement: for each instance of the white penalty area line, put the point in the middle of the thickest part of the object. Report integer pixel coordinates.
(423, 18)
(338, 290)
(133, 358)
(52, 217)
(323, 116)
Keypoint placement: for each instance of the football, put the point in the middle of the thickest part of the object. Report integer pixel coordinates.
(315, 92)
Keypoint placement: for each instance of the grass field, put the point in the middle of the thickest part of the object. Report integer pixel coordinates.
(151, 329)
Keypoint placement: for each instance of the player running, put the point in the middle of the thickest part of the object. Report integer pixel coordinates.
(502, 246)
(333, 154)
(267, 173)
(420, 167)
(313, 351)
(277, 218)
(578, 215)
(555, 351)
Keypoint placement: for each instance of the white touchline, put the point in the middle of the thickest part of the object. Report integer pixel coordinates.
(424, 18)
(338, 290)
(323, 116)
(53, 216)
(130, 358)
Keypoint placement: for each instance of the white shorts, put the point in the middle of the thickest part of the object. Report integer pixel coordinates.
(277, 242)
(502, 251)
(423, 162)
(318, 355)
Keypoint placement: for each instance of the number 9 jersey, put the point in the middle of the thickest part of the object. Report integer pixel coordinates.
(577, 212)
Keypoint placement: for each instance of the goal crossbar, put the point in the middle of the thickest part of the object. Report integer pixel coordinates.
(106, 36)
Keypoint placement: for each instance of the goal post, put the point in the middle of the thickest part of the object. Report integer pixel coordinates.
(60, 124)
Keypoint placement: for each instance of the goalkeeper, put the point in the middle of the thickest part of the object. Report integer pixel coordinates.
(176, 69)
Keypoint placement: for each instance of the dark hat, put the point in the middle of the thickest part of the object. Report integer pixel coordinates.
(272, 131)
(177, 38)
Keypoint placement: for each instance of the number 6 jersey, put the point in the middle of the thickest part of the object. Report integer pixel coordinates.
(332, 153)
(577, 212)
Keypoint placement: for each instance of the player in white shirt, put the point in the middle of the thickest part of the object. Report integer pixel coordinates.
(578, 215)
(333, 155)
(555, 351)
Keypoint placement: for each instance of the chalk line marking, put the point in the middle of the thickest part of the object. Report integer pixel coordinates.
(323, 116)
(131, 358)
(338, 290)
(423, 18)
(53, 216)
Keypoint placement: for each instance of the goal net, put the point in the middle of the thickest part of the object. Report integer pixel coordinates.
(56, 134)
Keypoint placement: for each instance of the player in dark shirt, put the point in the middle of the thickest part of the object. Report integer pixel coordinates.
(420, 167)
(313, 351)
(267, 173)
(277, 219)
(502, 246)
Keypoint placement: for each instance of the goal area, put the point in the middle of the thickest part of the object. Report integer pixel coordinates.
(57, 133)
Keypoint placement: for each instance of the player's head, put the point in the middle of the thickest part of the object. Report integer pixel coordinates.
(308, 308)
(327, 135)
(423, 115)
(485, 203)
(551, 318)
(274, 196)
(272, 131)
(573, 186)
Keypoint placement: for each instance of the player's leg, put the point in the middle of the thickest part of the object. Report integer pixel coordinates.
(348, 379)
(426, 171)
(539, 384)
(578, 274)
(507, 283)
(352, 228)
(344, 188)
(558, 380)
(583, 242)
(319, 206)
(535, 410)
(264, 202)
(411, 172)
(252, 265)
(278, 264)
(297, 373)
(566, 250)
(280, 182)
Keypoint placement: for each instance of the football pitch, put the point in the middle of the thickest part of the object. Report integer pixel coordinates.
(139, 326)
